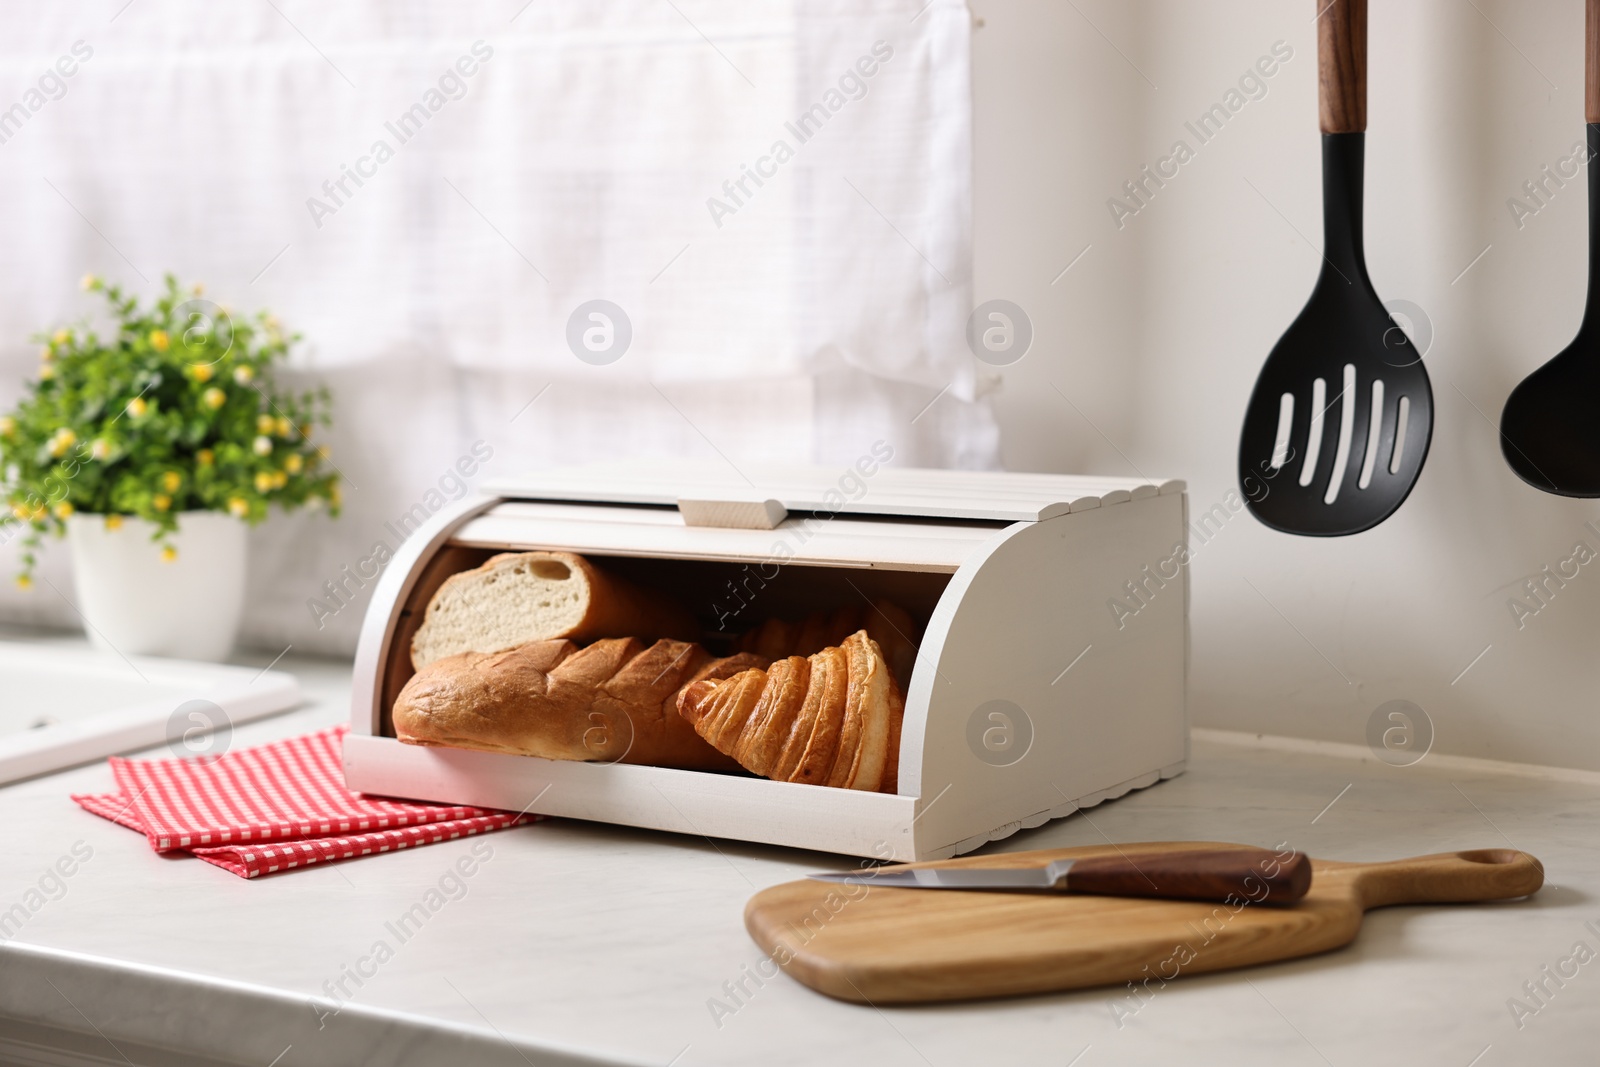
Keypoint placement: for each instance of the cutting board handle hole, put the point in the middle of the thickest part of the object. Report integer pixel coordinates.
(1494, 856)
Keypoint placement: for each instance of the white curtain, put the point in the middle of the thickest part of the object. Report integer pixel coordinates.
(776, 195)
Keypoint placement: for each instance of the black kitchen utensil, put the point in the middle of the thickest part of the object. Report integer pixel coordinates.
(1338, 426)
(1550, 428)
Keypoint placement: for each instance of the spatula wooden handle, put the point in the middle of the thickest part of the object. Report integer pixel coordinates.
(1591, 61)
(1253, 874)
(1449, 877)
(1342, 64)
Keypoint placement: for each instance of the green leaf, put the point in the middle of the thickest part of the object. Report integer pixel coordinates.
(95, 380)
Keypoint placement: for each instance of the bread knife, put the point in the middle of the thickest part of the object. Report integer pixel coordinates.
(1223, 875)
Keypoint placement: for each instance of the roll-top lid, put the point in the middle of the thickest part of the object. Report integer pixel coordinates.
(995, 496)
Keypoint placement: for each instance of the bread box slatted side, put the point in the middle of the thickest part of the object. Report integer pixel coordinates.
(1091, 704)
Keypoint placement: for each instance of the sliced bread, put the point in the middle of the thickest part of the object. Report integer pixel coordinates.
(519, 597)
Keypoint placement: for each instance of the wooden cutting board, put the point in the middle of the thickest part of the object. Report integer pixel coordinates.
(885, 945)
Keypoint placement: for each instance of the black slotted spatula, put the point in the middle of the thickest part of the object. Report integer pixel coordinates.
(1338, 426)
(1550, 428)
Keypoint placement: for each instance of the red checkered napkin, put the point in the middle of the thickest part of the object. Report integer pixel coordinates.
(275, 807)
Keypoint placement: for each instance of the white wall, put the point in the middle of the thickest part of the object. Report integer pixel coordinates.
(1146, 350)
(1157, 335)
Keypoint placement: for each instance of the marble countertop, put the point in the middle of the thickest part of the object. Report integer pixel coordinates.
(576, 943)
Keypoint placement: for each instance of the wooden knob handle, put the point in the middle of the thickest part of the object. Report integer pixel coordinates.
(1342, 64)
(1591, 61)
(1251, 874)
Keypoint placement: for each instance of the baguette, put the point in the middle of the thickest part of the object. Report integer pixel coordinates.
(614, 701)
(517, 597)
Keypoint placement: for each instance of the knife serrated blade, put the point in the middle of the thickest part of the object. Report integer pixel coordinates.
(1254, 875)
(1050, 876)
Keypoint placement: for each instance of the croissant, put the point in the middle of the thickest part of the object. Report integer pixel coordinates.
(614, 701)
(886, 623)
(831, 718)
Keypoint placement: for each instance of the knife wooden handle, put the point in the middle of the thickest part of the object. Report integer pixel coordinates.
(1591, 61)
(1342, 65)
(1256, 875)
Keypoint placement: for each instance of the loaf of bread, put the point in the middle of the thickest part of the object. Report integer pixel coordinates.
(518, 597)
(614, 701)
(886, 623)
(832, 718)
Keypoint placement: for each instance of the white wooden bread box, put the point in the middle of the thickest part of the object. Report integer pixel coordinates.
(1050, 675)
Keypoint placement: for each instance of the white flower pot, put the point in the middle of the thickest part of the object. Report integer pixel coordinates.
(135, 603)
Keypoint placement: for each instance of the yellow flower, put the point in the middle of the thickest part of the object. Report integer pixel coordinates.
(261, 446)
(21, 511)
(63, 510)
(90, 282)
(158, 340)
(322, 452)
(161, 502)
(63, 440)
(168, 554)
(305, 429)
(40, 513)
(239, 506)
(60, 337)
(137, 406)
(100, 449)
(198, 289)
(46, 372)
(334, 495)
(205, 457)
(113, 522)
(263, 481)
(202, 372)
(293, 463)
(242, 374)
(284, 427)
(213, 398)
(266, 424)
(24, 582)
(279, 479)
(170, 481)
(46, 354)
(8, 426)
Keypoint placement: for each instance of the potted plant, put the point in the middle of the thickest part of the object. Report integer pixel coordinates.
(152, 447)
